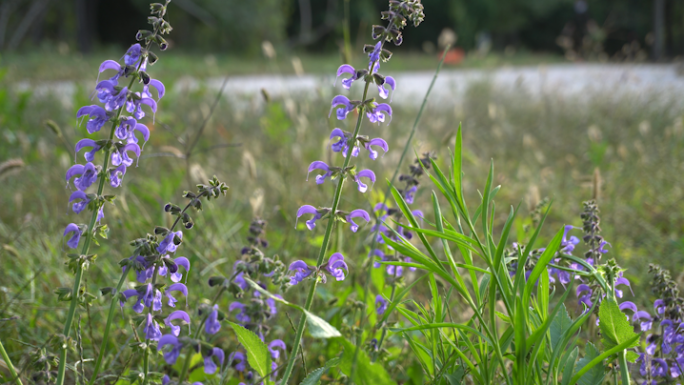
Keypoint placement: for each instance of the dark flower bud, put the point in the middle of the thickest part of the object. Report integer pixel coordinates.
(378, 31)
(157, 8)
(161, 42)
(106, 290)
(215, 281)
(378, 79)
(171, 265)
(188, 225)
(161, 230)
(143, 34)
(144, 77)
(177, 240)
(167, 207)
(152, 58)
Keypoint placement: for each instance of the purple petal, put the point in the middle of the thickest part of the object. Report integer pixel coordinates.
(356, 214)
(74, 170)
(376, 142)
(628, 305)
(110, 65)
(144, 130)
(159, 86)
(297, 265)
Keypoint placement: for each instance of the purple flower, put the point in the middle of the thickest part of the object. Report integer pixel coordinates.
(659, 305)
(116, 101)
(335, 265)
(622, 281)
(88, 175)
(159, 86)
(73, 241)
(180, 261)
(396, 271)
(132, 55)
(151, 329)
(111, 65)
(374, 55)
(123, 130)
(647, 322)
(380, 304)
(384, 93)
(410, 194)
(377, 253)
(242, 317)
(586, 298)
(134, 106)
(270, 302)
(567, 246)
(301, 269)
(98, 117)
(213, 325)
(363, 174)
(273, 348)
(176, 287)
(116, 176)
(347, 106)
(240, 357)
(170, 356)
(376, 142)
(79, 206)
(90, 155)
(120, 156)
(105, 89)
(347, 69)
(409, 260)
(319, 165)
(168, 245)
(209, 365)
(659, 370)
(308, 209)
(177, 315)
(377, 114)
(358, 213)
(602, 247)
(341, 145)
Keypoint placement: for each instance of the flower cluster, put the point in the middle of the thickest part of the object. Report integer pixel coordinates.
(383, 213)
(155, 259)
(663, 359)
(253, 314)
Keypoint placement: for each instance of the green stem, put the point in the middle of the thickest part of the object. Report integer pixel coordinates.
(324, 246)
(110, 318)
(624, 370)
(384, 327)
(8, 362)
(366, 283)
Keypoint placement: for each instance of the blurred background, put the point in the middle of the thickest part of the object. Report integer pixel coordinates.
(571, 99)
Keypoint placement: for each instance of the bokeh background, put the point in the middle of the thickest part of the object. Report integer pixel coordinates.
(572, 100)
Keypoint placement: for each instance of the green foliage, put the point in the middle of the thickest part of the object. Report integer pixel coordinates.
(596, 374)
(615, 327)
(367, 373)
(314, 378)
(258, 356)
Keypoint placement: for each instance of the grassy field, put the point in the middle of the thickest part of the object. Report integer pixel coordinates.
(51, 65)
(555, 148)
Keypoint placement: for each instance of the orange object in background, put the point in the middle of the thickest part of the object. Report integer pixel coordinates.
(454, 56)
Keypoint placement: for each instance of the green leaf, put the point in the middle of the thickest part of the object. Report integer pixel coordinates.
(615, 327)
(560, 324)
(595, 375)
(568, 365)
(258, 355)
(319, 328)
(314, 378)
(456, 377)
(367, 373)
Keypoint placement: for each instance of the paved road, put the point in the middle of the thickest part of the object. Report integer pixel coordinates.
(565, 81)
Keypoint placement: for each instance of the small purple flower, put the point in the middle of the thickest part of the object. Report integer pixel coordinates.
(374, 55)
(646, 321)
(209, 364)
(88, 175)
(586, 298)
(301, 269)
(319, 165)
(567, 246)
(159, 86)
(308, 209)
(105, 90)
(410, 194)
(242, 317)
(363, 174)
(180, 261)
(396, 271)
(659, 305)
(602, 247)
(659, 370)
(116, 101)
(177, 315)
(134, 106)
(240, 357)
(116, 176)
(90, 155)
(111, 65)
(270, 302)
(176, 287)
(347, 69)
(377, 253)
(622, 281)
(73, 241)
(98, 117)
(273, 348)
(376, 142)
(79, 206)
(213, 325)
(347, 106)
(335, 265)
(378, 113)
(132, 55)
(151, 329)
(120, 157)
(170, 356)
(380, 304)
(123, 130)
(168, 245)
(384, 93)
(358, 213)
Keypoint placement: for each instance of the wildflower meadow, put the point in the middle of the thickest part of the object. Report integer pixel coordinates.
(153, 231)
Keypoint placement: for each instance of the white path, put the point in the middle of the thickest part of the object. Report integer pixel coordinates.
(569, 80)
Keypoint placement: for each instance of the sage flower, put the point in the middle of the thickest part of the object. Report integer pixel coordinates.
(170, 356)
(364, 174)
(301, 269)
(308, 209)
(380, 304)
(212, 326)
(90, 155)
(98, 117)
(151, 330)
(242, 317)
(88, 175)
(358, 213)
(79, 206)
(73, 241)
(209, 364)
(337, 267)
(319, 165)
(176, 315)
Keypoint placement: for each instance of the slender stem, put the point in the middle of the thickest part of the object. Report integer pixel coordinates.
(366, 284)
(110, 318)
(8, 362)
(324, 246)
(624, 370)
(384, 327)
